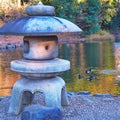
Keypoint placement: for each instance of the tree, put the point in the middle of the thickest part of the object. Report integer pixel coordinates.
(108, 11)
(67, 9)
(90, 16)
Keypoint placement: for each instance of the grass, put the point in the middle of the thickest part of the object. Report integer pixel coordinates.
(101, 36)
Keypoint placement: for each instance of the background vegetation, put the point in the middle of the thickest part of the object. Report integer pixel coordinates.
(90, 15)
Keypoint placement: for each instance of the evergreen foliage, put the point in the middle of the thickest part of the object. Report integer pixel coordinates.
(108, 11)
(115, 22)
(71, 10)
(90, 17)
(68, 9)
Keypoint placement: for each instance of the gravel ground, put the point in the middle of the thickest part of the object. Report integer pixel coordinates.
(81, 107)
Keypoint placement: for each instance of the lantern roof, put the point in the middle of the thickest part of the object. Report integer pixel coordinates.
(39, 22)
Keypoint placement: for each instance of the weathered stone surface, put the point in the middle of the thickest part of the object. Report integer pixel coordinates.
(53, 88)
(102, 95)
(2, 47)
(40, 26)
(11, 46)
(40, 48)
(46, 68)
(108, 72)
(40, 10)
(38, 112)
(84, 93)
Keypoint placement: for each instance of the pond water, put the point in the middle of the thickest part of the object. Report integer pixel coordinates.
(93, 67)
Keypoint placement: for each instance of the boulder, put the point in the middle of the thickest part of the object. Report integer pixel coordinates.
(38, 112)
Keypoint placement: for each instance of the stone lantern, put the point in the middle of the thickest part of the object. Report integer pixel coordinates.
(40, 67)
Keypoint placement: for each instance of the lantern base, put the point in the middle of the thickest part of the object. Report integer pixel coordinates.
(24, 89)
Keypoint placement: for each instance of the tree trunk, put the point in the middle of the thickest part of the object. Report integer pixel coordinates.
(18, 3)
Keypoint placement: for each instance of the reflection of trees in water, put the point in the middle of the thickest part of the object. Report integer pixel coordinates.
(82, 56)
(7, 77)
(108, 56)
(117, 64)
(100, 55)
(92, 54)
(117, 55)
(76, 54)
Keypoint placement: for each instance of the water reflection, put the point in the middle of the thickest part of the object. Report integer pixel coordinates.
(98, 56)
(92, 53)
(7, 77)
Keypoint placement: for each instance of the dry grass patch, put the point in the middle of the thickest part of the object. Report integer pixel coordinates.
(102, 35)
(10, 12)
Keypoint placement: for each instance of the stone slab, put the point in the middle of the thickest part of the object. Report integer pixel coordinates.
(38, 112)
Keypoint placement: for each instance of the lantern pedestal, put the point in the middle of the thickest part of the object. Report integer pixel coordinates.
(39, 76)
(53, 89)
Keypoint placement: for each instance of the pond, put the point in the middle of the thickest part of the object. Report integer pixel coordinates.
(93, 67)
